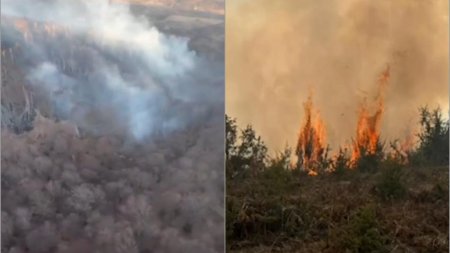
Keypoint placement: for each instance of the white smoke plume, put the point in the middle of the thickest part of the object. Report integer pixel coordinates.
(106, 61)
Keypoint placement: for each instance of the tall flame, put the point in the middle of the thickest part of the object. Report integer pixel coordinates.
(368, 128)
(311, 140)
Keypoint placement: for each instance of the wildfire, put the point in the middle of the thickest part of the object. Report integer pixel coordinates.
(368, 128)
(29, 28)
(312, 152)
(311, 140)
(401, 148)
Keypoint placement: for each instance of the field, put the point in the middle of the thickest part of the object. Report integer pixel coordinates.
(281, 211)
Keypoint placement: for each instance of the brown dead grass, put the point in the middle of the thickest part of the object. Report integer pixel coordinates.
(322, 209)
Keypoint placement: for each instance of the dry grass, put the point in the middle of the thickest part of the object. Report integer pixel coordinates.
(297, 213)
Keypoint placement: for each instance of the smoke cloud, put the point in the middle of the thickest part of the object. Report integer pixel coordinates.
(278, 50)
(107, 70)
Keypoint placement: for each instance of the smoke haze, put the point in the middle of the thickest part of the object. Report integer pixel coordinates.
(278, 50)
(96, 60)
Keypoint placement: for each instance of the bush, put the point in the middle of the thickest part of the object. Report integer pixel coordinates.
(434, 139)
(363, 233)
(390, 184)
(249, 155)
(282, 160)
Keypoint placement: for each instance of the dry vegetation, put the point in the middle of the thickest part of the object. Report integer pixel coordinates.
(395, 207)
(297, 213)
(65, 193)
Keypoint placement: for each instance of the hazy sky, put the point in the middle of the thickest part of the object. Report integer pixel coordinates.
(277, 50)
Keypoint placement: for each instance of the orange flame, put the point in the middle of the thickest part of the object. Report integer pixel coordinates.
(401, 148)
(312, 173)
(368, 128)
(311, 140)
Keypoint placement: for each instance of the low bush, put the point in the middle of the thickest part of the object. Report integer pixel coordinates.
(362, 233)
(390, 185)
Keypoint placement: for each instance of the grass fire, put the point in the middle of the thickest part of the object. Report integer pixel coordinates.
(387, 198)
(312, 150)
(337, 126)
(311, 141)
(367, 139)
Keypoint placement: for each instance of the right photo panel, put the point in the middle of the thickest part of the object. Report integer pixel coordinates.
(337, 126)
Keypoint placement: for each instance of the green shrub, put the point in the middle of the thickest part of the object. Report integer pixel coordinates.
(434, 139)
(390, 185)
(232, 215)
(245, 153)
(363, 233)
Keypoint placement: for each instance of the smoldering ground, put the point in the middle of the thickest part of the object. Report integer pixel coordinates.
(125, 153)
(278, 50)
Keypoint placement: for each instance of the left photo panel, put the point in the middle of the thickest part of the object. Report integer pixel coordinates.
(112, 126)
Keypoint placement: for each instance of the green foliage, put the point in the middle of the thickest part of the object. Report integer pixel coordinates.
(276, 180)
(245, 152)
(230, 146)
(282, 160)
(390, 185)
(252, 150)
(363, 233)
(232, 217)
(277, 177)
(434, 139)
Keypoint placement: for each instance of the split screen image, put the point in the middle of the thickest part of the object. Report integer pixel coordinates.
(138, 126)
